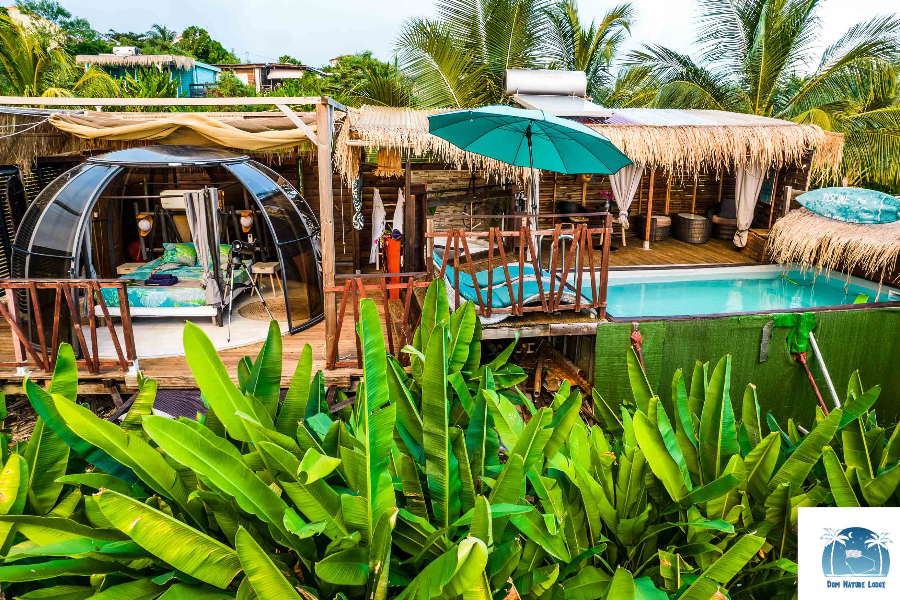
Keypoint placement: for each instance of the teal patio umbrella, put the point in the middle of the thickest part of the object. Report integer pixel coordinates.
(529, 138)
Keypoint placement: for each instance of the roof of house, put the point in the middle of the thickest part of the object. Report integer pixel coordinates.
(182, 63)
(675, 140)
(235, 66)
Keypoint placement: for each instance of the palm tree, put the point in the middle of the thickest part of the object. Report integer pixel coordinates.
(753, 58)
(32, 63)
(574, 46)
(834, 537)
(161, 34)
(879, 541)
(460, 58)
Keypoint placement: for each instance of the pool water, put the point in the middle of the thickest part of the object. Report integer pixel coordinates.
(687, 292)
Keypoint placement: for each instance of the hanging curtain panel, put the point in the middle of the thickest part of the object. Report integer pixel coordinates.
(624, 186)
(748, 183)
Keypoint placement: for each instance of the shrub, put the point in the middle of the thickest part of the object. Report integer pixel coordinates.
(430, 484)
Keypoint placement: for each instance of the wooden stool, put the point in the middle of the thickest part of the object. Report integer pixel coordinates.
(271, 269)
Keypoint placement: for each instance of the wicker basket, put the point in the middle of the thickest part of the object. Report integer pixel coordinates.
(693, 229)
(724, 229)
(756, 245)
(659, 227)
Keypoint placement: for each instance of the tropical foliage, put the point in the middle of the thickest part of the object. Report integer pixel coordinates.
(754, 56)
(33, 63)
(438, 483)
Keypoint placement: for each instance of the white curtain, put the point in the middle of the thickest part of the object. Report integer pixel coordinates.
(196, 209)
(379, 220)
(624, 186)
(748, 182)
(397, 222)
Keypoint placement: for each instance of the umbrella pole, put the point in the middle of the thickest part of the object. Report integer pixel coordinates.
(531, 187)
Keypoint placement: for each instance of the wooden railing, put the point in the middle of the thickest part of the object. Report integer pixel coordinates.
(44, 357)
(359, 286)
(555, 275)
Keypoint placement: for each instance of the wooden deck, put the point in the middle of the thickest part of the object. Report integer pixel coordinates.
(173, 372)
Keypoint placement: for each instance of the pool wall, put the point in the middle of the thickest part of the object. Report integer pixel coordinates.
(865, 339)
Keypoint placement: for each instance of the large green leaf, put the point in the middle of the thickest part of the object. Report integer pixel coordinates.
(13, 494)
(451, 575)
(380, 556)
(640, 387)
(172, 541)
(801, 461)
(661, 462)
(409, 421)
(564, 418)
(718, 435)
(589, 583)
(45, 406)
(59, 568)
(761, 463)
(621, 587)
(533, 527)
(482, 442)
(506, 418)
(462, 328)
(65, 374)
(345, 567)
(294, 407)
(858, 405)
(750, 416)
(445, 501)
(142, 406)
(837, 480)
(139, 589)
(47, 456)
(265, 378)
(212, 378)
(99, 481)
(534, 438)
(217, 460)
(184, 591)
(267, 580)
(723, 570)
(60, 592)
(131, 450)
(50, 530)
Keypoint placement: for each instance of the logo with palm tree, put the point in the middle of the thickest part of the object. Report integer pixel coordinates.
(855, 552)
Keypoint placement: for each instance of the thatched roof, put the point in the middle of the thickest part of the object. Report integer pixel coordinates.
(820, 243)
(674, 140)
(182, 63)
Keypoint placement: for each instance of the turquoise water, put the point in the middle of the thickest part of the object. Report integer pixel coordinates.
(757, 291)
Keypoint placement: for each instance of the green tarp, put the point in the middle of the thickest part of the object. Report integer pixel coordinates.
(865, 339)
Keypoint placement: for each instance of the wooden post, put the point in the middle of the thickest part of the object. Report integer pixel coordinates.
(553, 207)
(324, 117)
(409, 218)
(721, 179)
(788, 194)
(649, 208)
(668, 194)
(641, 195)
(583, 190)
(694, 196)
(772, 198)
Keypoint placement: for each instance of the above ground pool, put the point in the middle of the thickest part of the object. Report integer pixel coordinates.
(677, 292)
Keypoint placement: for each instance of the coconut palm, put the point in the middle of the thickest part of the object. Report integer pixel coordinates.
(459, 59)
(573, 45)
(879, 540)
(161, 34)
(757, 56)
(32, 63)
(834, 537)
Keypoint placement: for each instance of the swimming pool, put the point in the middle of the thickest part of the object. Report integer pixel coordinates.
(680, 292)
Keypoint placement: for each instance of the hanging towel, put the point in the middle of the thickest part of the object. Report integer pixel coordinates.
(624, 185)
(747, 184)
(379, 220)
(397, 223)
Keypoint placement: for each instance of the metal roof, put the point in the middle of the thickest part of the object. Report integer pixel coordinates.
(169, 156)
(672, 117)
(562, 106)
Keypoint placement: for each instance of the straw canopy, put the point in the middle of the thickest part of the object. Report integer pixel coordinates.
(673, 140)
(182, 63)
(820, 243)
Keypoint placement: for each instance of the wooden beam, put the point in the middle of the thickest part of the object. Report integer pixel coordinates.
(721, 179)
(298, 122)
(694, 196)
(772, 198)
(241, 101)
(649, 208)
(668, 194)
(409, 216)
(324, 118)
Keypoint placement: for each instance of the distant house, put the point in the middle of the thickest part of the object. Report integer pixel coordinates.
(267, 76)
(192, 75)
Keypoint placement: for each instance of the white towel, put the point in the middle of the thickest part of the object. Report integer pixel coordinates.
(397, 223)
(379, 217)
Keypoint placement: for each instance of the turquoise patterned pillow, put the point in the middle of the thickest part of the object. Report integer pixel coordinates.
(179, 254)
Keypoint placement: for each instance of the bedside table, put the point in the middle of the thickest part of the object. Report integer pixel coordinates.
(126, 268)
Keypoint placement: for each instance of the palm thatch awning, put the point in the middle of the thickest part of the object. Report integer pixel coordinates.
(182, 63)
(820, 243)
(673, 140)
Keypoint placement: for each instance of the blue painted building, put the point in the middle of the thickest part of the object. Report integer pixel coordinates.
(188, 71)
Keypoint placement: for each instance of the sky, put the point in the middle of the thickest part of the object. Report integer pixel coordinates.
(315, 31)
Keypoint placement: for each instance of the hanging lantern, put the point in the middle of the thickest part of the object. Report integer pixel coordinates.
(246, 220)
(145, 224)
